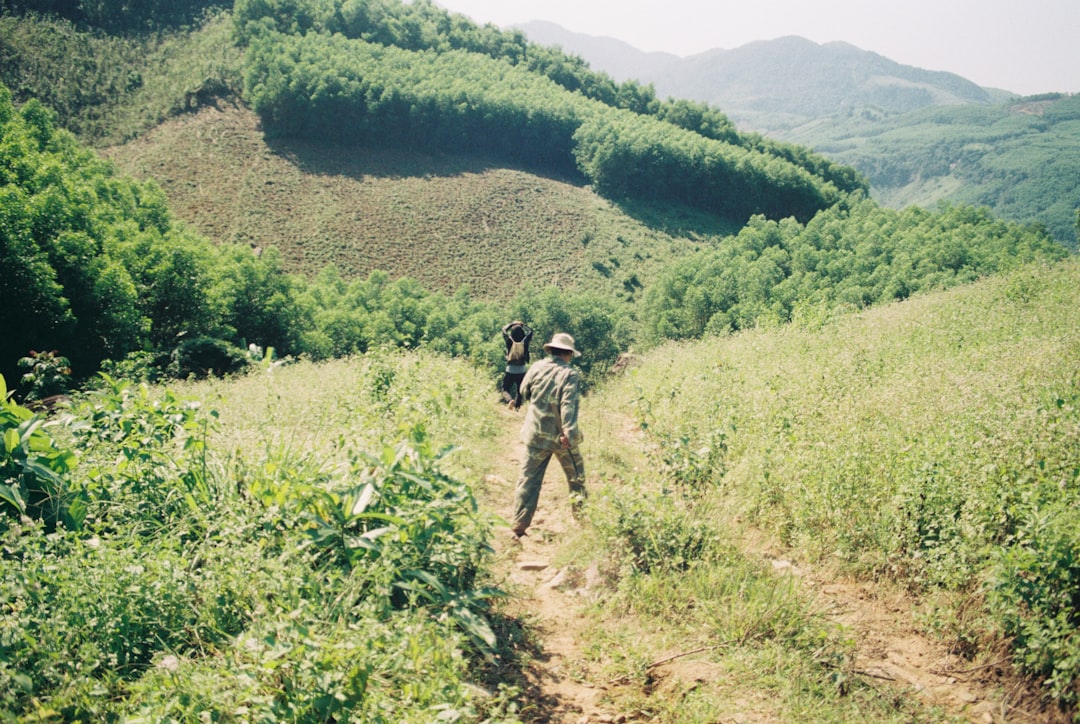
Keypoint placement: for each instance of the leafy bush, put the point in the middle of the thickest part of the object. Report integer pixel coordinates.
(854, 254)
(204, 356)
(144, 459)
(288, 585)
(34, 470)
(47, 374)
(1035, 594)
(415, 533)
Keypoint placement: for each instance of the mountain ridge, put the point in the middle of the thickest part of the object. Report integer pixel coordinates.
(779, 77)
(919, 136)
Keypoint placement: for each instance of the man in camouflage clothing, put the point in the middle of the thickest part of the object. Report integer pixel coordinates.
(552, 388)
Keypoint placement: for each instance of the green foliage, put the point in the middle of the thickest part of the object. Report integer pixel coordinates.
(214, 578)
(258, 299)
(375, 83)
(143, 457)
(1035, 593)
(34, 468)
(136, 16)
(94, 265)
(415, 533)
(422, 26)
(47, 373)
(627, 155)
(204, 356)
(61, 209)
(1020, 159)
(656, 533)
(98, 268)
(590, 320)
(852, 255)
(111, 88)
(350, 90)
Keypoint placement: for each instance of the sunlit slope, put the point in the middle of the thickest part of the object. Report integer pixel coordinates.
(932, 441)
(447, 221)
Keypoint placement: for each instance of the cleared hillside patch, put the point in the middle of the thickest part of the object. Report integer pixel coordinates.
(447, 221)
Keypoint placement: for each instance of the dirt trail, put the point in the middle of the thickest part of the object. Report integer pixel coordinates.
(563, 688)
(545, 596)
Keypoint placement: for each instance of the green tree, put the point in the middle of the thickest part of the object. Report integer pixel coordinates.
(258, 301)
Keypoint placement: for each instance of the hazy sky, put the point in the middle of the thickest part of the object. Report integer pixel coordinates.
(1024, 46)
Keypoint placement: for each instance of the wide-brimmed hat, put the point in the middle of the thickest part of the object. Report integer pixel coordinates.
(562, 341)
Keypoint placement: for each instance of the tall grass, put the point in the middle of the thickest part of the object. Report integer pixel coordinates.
(932, 442)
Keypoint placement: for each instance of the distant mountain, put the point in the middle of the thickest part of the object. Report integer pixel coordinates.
(921, 137)
(773, 85)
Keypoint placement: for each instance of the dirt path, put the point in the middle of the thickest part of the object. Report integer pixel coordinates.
(890, 651)
(545, 595)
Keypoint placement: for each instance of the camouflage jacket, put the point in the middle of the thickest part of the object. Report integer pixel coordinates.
(552, 388)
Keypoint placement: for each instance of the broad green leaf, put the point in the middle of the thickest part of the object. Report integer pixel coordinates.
(30, 427)
(12, 495)
(42, 472)
(475, 626)
(426, 577)
(11, 440)
(76, 513)
(374, 533)
(385, 517)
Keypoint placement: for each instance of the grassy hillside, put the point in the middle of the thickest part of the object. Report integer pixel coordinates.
(107, 89)
(447, 221)
(931, 443)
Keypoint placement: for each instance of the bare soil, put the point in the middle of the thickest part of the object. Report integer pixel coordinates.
(563, 686)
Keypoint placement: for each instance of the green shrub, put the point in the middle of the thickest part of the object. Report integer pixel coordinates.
(47, 374)
(205, 357)
(414, 535)
(34, 469)
(660, 533)
(1035, 594)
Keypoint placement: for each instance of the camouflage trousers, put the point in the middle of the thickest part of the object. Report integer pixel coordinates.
(527, 493)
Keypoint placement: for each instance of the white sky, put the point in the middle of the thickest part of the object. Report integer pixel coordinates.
(1024, 46)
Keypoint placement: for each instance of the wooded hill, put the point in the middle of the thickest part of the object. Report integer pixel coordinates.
(1020, 159)
(455, 136)
(918, 136)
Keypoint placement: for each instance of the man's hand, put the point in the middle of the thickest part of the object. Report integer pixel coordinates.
(564, 440)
